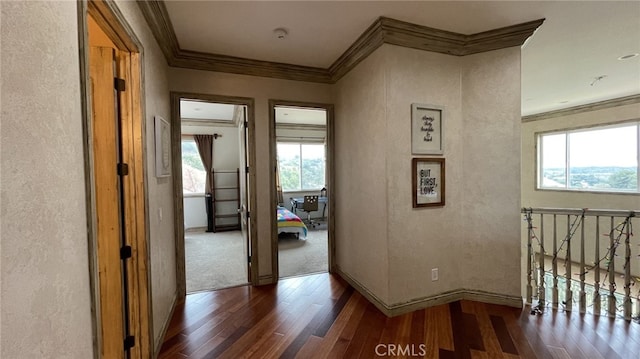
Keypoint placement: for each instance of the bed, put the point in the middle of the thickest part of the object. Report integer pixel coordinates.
(288, 222)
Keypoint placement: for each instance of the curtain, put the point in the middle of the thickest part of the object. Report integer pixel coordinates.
(278, 186)
(205, 149)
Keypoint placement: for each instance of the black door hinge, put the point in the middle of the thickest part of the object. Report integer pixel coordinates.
(249, 259)
(125, 252)
(129, 342)
(246, 169)
(123, 169)
(248, 214)
(119, 84)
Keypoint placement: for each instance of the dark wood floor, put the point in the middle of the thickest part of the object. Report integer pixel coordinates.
(321, 316)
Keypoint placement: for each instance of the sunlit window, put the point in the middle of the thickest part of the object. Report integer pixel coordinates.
(193, 173)
(301, 166)
(594, 159)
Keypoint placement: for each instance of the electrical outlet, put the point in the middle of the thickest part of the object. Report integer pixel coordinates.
(434, 274)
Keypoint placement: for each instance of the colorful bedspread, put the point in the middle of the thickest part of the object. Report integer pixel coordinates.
(289, 222)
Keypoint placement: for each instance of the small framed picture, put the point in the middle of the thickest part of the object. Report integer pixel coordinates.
(163, 147)
(427, 133)
(428, 182)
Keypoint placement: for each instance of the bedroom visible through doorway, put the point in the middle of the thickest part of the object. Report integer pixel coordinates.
(302, 190)
(214, 183)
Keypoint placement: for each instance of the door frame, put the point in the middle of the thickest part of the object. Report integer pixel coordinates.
(330, 170)
(130, 52)
(176, 152)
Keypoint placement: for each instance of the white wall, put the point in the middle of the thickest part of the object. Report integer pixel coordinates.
(195, 212)
(382, 242)
(46, 303)
(261, 89)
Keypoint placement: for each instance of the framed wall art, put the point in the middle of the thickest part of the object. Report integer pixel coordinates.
(427, 133)
(428, 182)
(163, 147)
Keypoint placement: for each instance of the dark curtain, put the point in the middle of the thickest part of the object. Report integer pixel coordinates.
(205, 149)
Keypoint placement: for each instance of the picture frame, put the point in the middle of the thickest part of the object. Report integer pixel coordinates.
(162, 131)
(428, 182)
(427, 129)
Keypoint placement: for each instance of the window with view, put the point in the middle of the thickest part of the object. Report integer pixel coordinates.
(595, 159)
(301, 166)
(193, 173)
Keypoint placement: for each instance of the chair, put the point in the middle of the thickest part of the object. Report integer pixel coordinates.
(309, 205)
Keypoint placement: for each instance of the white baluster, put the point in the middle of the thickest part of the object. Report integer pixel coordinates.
(554, 265)
(612, 273)
(567, 263)
(596, 293)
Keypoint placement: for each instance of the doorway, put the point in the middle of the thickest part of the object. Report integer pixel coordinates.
(214, 194)
(111, 87)
(302, 156)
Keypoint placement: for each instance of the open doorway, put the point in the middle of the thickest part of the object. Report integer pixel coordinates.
(302, 185)
(215, 187)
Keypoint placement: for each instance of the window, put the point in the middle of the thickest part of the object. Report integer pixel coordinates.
(301, 166)
(596, 159)
(193, 173)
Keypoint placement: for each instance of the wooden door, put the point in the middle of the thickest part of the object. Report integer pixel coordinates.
(107, 200)
(244, 188)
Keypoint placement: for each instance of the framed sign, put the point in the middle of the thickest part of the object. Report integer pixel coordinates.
(427, 132)
(427, 182)
(163, 147)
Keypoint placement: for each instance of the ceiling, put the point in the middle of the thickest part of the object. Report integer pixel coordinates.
(579, 41)
(204, 113)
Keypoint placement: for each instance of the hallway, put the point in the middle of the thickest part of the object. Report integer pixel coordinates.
(322, 316)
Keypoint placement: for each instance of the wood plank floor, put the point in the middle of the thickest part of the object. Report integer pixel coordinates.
(321, 316)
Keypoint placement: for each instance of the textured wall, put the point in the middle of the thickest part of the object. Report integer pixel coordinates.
(361, 168)
(159, 190)
(422, 238)
(261, 89)
(474, 238)
(491, 136)
(46, 305)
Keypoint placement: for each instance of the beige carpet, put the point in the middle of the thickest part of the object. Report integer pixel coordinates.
(218, 260)
(303, 256)
(214, 260)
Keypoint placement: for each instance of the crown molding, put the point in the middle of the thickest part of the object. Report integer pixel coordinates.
(157, 17)
(383, 30)
(601, 105)
(243, 66)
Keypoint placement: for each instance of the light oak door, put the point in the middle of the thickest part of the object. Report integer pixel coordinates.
(108, 201)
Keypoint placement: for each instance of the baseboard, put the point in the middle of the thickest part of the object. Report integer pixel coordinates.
(433, 300)
(364, 291)
(165, 327)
